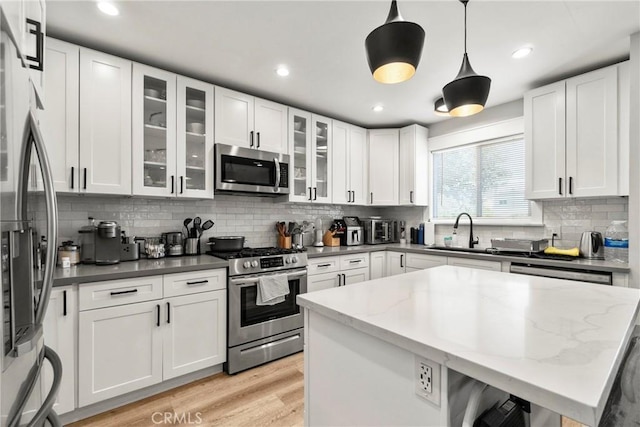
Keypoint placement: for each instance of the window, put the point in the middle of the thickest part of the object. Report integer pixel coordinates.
(484, 179)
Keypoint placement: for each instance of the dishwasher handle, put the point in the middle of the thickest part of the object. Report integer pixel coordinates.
(602, 278)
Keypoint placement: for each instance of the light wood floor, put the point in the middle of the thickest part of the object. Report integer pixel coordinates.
(269, 395)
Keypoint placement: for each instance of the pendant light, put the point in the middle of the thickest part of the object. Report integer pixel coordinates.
(394, 48)
(468, 92)
(440, 108)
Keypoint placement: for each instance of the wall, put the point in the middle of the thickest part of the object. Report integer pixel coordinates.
(634, 165)
(499, 113)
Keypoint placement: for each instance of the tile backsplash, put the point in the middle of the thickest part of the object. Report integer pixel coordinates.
(255, 217)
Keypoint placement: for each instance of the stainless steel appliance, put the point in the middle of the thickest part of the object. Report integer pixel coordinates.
(353, 234)
(261, 333)
(100, 244)
(22, 155)
(173, 243)
(378, 231)
(243, 170)
(600, 277)
(592, 245)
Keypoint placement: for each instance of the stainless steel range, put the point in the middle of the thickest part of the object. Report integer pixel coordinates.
(260, 333)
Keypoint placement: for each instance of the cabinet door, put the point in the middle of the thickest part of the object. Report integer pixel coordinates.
(544, 133)
(414, 162)
(270, 126)
(355, 276)
(119, 350)
(341, 187)
(60, 123)
(323, 281)
(154, 132)
(396, 263)
(59, 334)
(194, 333)
(357, 164)
(300, 129)
(321, 158)
(475, 263)
(105, 123)
(234, 118)
(384, 152)
(194, 142)
(377, 264)
(421, 262)
(592, 133)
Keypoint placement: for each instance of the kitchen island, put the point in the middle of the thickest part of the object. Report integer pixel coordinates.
(555, 343)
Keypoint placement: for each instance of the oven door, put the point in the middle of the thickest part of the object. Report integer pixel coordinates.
(251, 171)
(249, 321)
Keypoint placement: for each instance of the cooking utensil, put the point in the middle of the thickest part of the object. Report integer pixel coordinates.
(197, 221)
(185, 224)
(207, 225)
(226, 243)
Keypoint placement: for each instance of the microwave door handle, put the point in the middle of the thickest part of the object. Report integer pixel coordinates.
(32, 133)
(246, 281)
(277, 173)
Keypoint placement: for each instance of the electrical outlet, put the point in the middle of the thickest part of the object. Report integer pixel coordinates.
(427, 380)
(557, 230)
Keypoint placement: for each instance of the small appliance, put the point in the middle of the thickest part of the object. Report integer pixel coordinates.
(592, 245)
(173, 243)
(108, 243)
(379, 231)
(245, 170)
(352, 234)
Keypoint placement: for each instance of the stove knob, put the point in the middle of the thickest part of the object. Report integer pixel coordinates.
(254, 263)
(246, 264)
(287, 260)
(294, 259)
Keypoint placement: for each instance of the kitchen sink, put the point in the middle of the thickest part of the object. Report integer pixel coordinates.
(459, 249)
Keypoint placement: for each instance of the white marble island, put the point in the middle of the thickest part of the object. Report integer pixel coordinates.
(555, 343)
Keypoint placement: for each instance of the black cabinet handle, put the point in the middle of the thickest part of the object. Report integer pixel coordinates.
(411, 196)
(560, 186)
(324, 265)
(168, 312)
(173, 183)
(129, 291)
(570, 185)
(251, 139)
(181, 184)
(72, 176)
(339, 280)
(344, 280)
(309, 192)
(258, 134)
(85, 179)
(158, 315)
(199, 282)
(353, 199)
(372, 197)
(315, 193)
(39, 58)
(64, 303)
(401, 260)
(348, 196)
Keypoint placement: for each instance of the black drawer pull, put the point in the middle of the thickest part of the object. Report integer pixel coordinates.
(85, 179)
(129, 291)
(64, 303)
(72, 176)
(158, 315)
(401, 259)
(168, 312)
(181, 184)
(324, 265)
(39, 58)
(355, 261)
(199, 282)
(570, 185)
(560, 186)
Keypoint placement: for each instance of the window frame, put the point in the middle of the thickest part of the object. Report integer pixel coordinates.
(486, 134)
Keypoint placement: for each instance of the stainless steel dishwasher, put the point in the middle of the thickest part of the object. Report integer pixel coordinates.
(601, 277)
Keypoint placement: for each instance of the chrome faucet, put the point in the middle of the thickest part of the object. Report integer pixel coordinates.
(472, 242)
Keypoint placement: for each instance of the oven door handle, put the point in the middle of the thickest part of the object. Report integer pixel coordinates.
(254, 280)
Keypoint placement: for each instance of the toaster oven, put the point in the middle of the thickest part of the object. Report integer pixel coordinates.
(378, 231)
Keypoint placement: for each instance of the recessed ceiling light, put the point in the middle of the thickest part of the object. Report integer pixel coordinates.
(195, 156)
(108, 8)
(522, 52)
(282, 71)
(377, 108)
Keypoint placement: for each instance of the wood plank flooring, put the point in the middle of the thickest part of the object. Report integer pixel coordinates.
(271, 395)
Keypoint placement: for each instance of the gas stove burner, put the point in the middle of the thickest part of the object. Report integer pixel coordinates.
(255, 252)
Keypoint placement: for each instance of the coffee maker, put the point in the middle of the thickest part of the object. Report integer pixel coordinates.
(100, 244)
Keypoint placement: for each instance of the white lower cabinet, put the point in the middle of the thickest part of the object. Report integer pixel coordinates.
(131, 337)
(59, 333)
(349, 277)
(401, 262)
(377, 264)
(475, 263)
(331, 272)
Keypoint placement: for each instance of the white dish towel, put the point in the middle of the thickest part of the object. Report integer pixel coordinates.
(272, 289)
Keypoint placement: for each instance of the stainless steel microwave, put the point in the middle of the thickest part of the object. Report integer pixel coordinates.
(245, 170)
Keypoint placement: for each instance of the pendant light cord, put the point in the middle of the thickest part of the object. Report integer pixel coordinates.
(465, 25)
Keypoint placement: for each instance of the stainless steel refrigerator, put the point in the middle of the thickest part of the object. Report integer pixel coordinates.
(25, 289)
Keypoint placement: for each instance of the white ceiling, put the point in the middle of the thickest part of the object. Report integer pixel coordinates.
(238, 44)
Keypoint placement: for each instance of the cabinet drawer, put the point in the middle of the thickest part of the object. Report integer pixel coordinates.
(323, 265)
(420, 262)
(349, 262)
(118, 292)
(194, 282)
(475, 263)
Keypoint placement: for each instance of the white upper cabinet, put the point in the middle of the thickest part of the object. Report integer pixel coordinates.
(384, 152)
(250, 122)
(414, 170)
(310, 146)
(349, 172)
(576, 136)
(105, 123)
(60, 125)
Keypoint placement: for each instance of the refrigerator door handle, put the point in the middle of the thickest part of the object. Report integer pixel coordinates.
(33, 132)
(46, 409)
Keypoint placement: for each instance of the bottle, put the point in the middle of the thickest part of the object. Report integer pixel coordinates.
(616, 242)
(421, 234)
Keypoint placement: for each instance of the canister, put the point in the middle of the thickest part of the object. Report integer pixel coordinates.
(69, 250)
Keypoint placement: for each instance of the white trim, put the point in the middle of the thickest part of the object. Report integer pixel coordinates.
(491, 131)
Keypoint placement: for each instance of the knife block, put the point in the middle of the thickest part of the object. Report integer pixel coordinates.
(329, 240)
(284, 242)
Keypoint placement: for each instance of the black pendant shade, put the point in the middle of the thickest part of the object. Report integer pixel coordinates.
(468, 92)
(440, 108)
(394, 48)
